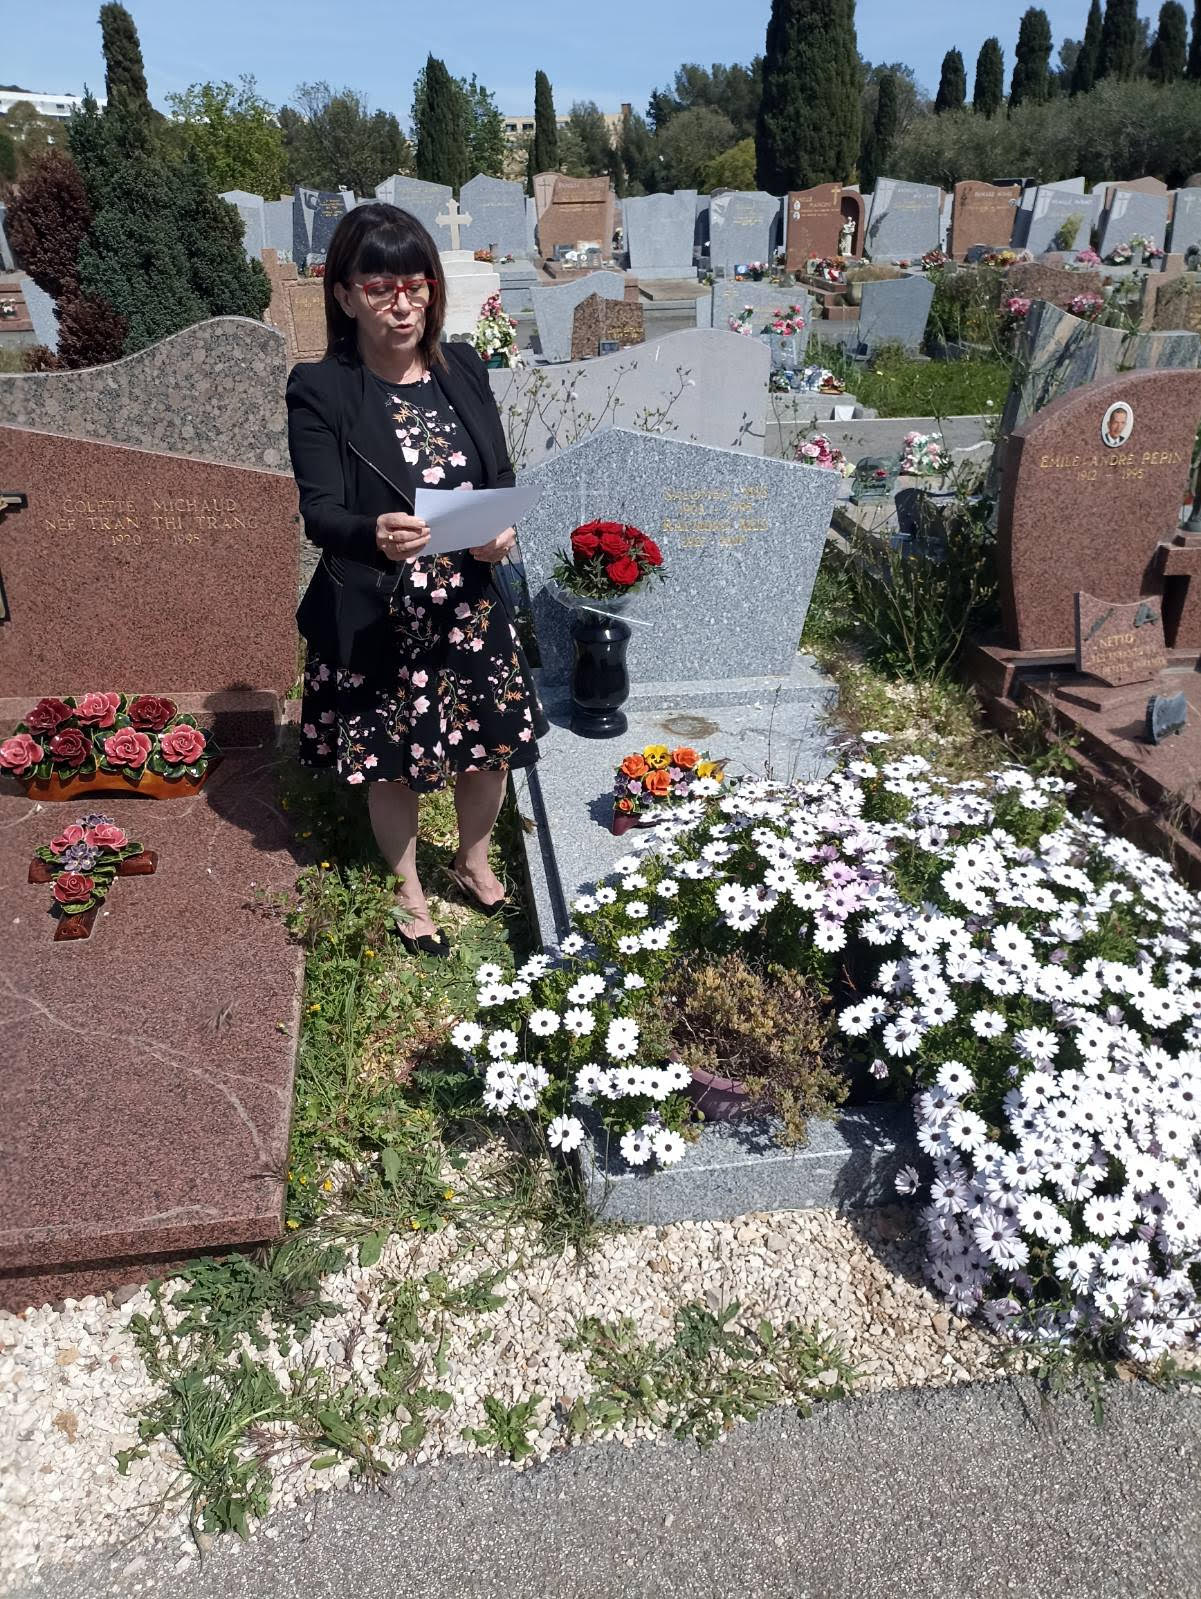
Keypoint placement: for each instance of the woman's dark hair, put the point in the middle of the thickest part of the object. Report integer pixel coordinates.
(382, 238)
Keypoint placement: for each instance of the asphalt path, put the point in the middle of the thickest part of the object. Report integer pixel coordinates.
(979, 1490)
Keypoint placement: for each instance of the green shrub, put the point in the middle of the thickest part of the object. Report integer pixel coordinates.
(768, 1030)
(895, 383)
(965, 305)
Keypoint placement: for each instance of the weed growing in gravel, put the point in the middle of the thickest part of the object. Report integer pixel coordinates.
(716, 1372)
(508, 1427)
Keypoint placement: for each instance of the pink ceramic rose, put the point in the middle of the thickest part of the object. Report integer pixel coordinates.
(106, 835)
(19, 754)
(48, 715)
(182, 745)
(72, 888)
(68, 836)
(98, 710)
(127, 747)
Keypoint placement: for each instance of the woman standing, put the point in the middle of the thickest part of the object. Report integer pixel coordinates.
(414, 677)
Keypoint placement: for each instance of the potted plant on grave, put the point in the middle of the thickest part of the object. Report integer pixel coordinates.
(495, 336)
(608, 562)
(755, 1038)
(650, 782)
(107, 742)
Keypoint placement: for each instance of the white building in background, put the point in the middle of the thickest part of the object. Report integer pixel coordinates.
(58, 106)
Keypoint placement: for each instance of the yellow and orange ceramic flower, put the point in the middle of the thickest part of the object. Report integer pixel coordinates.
(657, 783)
(684, 757)
(634, 766)
(657, 757)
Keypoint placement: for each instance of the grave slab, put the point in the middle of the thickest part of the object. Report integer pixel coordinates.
(904, 220)
(554, 308)
(743, 227)
(147, 1088)
(659, 230)
(1053, 206)
(1130, 212)
(497, 212)
(733, 1169)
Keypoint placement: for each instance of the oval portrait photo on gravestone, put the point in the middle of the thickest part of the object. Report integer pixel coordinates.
(1117, 425)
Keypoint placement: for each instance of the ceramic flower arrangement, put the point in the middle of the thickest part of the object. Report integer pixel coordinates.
(1016, 308)
(788, 321)
(817, 450)
(934, 258)
(108, 741)
(755, 271)
(607, 560)
(495, 336)
(1087, 305)
(651, 780)
(81, 863)
(922, 455)
(1087, 258)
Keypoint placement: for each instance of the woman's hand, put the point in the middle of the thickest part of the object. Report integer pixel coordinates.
(401, 537)
(497, 549)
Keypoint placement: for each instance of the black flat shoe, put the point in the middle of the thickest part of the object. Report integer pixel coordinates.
(424, 944)
(489, 907)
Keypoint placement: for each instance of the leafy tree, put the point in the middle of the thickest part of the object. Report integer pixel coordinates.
(1032, 58)
(659, 109)
(585, 148)
(689, 142)
(1061, 75)
(988, 95)
(31, 134)
(1170, 48)
(46, 222)
(486, 146)
(333, 140)
(878, 144)
(8, 159)
(952, 84)
(807, 130)
(1194, 49)
(735, 91)
(911, 101)
(1120, 41)
(234, 133)
(1084, 75)
(733, 169)
(544, 155)
(440, 126)
(638, 154)
(124, 74)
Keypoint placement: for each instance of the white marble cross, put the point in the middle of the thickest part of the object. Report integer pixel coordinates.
(454, 219)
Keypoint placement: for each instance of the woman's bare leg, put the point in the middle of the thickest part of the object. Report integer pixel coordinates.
(478, 797)
(393, 809)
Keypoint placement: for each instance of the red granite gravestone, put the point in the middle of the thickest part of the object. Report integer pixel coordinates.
(814, 220)
(1119, 644)
(1090, 499)
(580, 212)
(982, 213)
(131, 569)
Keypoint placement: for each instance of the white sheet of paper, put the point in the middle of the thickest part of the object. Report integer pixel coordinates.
(463, 520)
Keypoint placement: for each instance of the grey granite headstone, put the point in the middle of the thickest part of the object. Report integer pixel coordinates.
(517, 281)
(1186, 220)
(1054, 205)
(659, 230)
(894, 311)
(214, 391)
(554, 307)
(704, 386)
(497, 212)
(250, 208)
(531, 226)
(743, 227)
(425, 201)
(729, 298)
(41, 310)
(278, 232)
(6, 255)
(741, 535)
(315, 215)
(1131, 212)
(904, 220)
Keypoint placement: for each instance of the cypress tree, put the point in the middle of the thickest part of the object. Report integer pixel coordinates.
(877, 144)
(1119, 40)
(1084, 74)
(1032, 58)
(952, 85)
(1171, 44)
(1194, 49)
(807, 130)
(988, 95)
(545, 150)
(124, 75)
(442, 151)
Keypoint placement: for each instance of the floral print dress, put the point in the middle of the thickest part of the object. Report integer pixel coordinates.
(451, 698)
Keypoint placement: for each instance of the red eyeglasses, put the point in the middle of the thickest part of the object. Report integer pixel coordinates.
(381, 293)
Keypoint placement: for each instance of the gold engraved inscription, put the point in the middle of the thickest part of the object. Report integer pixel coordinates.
(731, 514)
(179, 519)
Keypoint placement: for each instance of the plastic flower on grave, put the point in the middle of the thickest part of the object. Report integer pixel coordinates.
(98, 709)
(182, 745)
(606, 558)
(819, 451)
(20, 754)
(1017, 307)
(922, 455)
(72, 888)
(1086, 305)
(1087, 257)
(740, 322)
(127, 747)
(495, 336)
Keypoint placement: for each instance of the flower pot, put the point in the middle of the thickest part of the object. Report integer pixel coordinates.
(853, 293)
(621, 823)
(497, 363)
(600, 680)
(718, 1099)
(151, 785)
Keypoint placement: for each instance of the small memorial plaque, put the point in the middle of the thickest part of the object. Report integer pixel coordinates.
(1119, 643)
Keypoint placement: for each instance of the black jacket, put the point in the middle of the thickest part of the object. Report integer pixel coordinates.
(350, 469)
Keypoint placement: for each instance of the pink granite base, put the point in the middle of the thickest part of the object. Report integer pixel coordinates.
(146, 1093)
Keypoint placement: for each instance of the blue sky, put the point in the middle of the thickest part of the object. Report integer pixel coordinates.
(609, 51)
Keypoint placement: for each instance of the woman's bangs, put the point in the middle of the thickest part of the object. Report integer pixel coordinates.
(391, 251)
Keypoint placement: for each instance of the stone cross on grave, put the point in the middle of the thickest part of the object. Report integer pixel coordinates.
(454, 219)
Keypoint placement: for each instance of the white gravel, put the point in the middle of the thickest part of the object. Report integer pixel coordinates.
(74, 1381)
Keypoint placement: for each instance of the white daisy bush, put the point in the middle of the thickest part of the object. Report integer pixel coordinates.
(1032, 980)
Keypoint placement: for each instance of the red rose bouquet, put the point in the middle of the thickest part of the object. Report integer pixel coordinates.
(607, 560)
(121, 735)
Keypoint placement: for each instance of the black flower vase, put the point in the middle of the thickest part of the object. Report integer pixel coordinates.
(600, 681)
